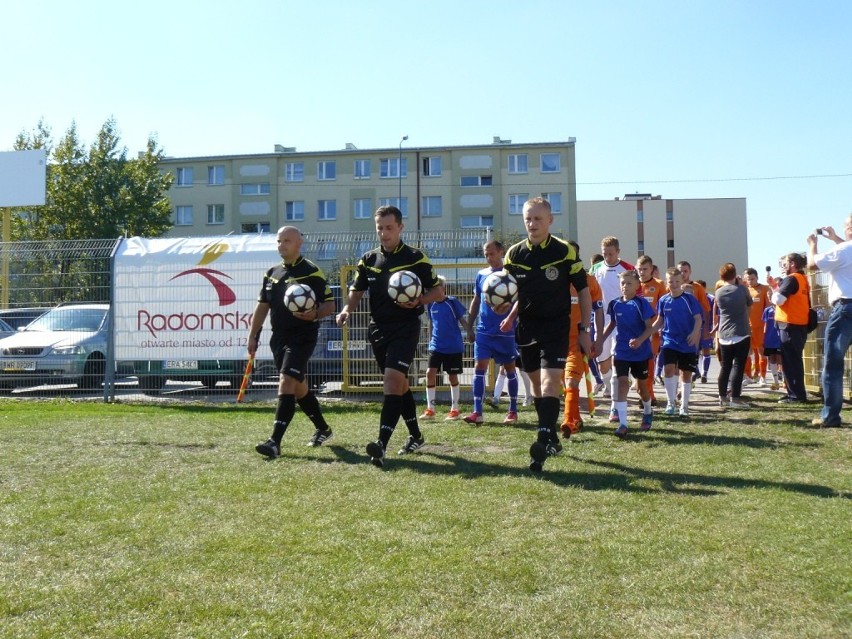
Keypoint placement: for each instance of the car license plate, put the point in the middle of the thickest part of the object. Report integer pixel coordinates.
(19, 365)
(354, 345)
(180, 365)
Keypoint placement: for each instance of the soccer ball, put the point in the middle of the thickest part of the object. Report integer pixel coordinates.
(404, 287)
(500, 288)
(299, 298)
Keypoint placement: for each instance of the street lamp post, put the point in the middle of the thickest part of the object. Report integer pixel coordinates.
(399, 170)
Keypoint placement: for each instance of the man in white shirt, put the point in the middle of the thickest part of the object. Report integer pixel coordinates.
(837, 264)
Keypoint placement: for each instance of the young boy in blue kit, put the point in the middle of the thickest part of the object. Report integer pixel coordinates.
(446, 351)
(679, 314)
(634, 317)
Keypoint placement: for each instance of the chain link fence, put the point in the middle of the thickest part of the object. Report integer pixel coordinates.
(68, 353)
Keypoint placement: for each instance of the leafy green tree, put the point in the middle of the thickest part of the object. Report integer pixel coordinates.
(98, 192)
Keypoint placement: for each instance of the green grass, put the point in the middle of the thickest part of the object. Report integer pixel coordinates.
(161, 521)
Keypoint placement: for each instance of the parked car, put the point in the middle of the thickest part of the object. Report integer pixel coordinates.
(67, 344)
(5, 329)
(17, 318)
(152, 375)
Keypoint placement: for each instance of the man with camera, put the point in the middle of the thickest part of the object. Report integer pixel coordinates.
(837, 264)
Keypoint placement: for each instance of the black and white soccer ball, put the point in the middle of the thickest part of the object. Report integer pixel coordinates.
(500, 288)
(404, 287)
(299, 298)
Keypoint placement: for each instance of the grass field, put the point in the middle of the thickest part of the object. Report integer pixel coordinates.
(161, 521)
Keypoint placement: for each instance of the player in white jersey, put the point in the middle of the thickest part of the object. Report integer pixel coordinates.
(607, 274)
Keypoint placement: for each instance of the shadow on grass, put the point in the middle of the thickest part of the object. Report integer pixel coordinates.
(611, 477)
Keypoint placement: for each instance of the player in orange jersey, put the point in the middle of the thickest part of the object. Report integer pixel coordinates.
(755, 366)
(652, 289)
(699, 292)
(575, 367)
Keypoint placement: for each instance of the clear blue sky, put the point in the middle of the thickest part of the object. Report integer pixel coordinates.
(683, 99)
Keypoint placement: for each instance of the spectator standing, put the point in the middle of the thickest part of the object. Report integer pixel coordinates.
(792, 301)
(732, 329)
(837, 263)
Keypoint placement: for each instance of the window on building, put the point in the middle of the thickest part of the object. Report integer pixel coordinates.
(476, 221)
(294, 172)
(476, 180)
(516, 202)
(669, 216)
(432, 166)
(255, 227)
(518, 163)
(362, 208)
(294, 211)
(395, 201)
(327, 170)
(670, 244)
(184, 176)
(327, 210)
(216, 175)
(390, 168)
(555, 200)
(215, 213)
(550, 163)
(362, 169)
(641, 247)
(640, 217)
(255, 188)
(183, 215)
(432, 206)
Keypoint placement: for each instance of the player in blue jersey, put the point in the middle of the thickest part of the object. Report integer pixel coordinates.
(633, 315)
(679, 314)
(446, 350)
(489, 342)
(772, 345)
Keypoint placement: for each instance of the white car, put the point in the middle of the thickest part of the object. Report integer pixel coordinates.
(67, 344)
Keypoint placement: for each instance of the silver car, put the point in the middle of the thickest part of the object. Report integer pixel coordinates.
(67, 344)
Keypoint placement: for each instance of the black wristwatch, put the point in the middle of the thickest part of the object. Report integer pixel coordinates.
(583, 328)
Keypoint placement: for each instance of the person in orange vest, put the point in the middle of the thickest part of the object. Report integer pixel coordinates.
(792, 300)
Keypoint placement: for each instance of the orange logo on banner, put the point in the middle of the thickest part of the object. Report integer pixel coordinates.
(212, 253)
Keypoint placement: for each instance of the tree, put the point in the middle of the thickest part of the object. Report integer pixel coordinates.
(96, 193)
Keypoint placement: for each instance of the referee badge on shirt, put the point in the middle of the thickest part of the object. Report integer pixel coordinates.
(551, 273)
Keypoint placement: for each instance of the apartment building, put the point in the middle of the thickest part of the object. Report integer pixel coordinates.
(442, 189)
(437, 188)
(705, 232)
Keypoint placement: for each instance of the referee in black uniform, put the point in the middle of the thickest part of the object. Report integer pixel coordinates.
(394, 328)
(545, 267)
(294, 336)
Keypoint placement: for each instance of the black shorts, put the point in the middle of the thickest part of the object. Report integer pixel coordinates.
(771, 351)
(292, 352)
(639, 370)
(395, 344)
(684, 361)
(542, 345)
(451, 363)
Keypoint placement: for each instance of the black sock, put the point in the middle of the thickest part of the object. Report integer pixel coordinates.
(311, 407)
(548, 414)
(409, 414)
(283, 416)
(391, 410)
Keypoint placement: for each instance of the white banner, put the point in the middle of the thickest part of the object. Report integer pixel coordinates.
(188, 298)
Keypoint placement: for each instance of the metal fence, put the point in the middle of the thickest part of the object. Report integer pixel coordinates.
(71, 278)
